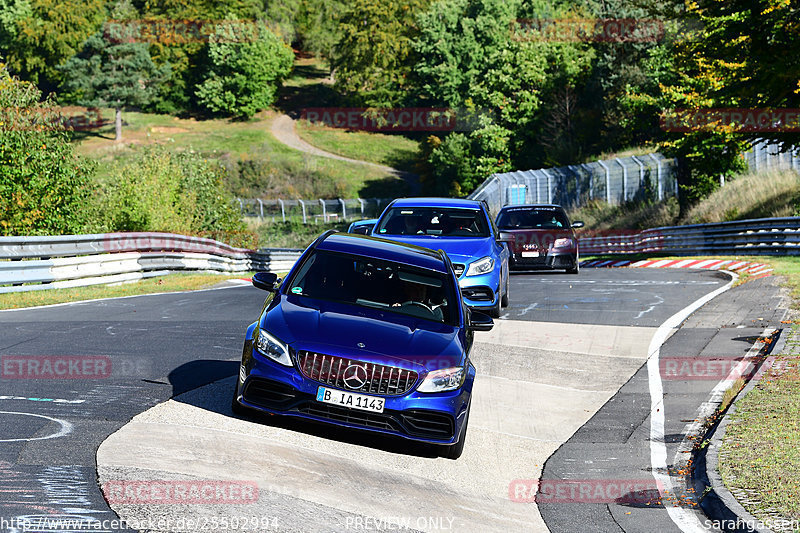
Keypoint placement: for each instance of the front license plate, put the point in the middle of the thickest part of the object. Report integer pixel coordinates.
(530, 254)
(348, 399)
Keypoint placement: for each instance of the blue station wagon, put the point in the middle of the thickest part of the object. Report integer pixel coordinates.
(465, 231)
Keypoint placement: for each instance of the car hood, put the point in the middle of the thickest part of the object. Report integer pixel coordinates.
(458, 249)
(542, 238)
(388, 338)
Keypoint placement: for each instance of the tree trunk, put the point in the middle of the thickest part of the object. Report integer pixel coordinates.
(118, 123)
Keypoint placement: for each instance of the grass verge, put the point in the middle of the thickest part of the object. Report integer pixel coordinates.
(170, 283)
(760, 455)
(392, 150)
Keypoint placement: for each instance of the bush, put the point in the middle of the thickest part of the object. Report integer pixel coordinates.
(246, 64)
(158, 190)
(43, 184)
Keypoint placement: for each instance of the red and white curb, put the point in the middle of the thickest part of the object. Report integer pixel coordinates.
(759, 269)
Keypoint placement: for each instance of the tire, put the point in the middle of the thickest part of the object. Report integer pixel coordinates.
(504, 299)
(494, 312)
(576, 268)
(454, 450)
(236, 407)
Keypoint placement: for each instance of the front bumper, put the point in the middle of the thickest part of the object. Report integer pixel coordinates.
(481, 292)
(550, 261)
(276, 389)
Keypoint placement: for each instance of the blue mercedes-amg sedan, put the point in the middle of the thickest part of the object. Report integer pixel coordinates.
(365, 333)
(465, 230)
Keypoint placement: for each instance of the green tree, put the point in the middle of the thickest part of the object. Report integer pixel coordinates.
(246, 64)
(43, 184)
(373, 58)
(113, 70)
(48, 33)
(178, 32)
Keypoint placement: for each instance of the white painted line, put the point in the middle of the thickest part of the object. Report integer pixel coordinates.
(714, 400)
(78, 302)
(685, 519)
(54, 400)
(66, 427)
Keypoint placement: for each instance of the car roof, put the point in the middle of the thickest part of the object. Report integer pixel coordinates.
(531, 206)
(388, 250)
(437, 202)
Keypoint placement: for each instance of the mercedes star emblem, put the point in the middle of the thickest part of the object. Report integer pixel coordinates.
(355, 376)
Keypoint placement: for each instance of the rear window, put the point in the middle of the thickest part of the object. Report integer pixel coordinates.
(533, 219)
(434, 221)
(378, 284)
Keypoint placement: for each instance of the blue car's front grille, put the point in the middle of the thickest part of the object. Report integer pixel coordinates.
(355, 375)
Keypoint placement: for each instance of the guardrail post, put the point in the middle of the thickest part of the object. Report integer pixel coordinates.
(241, 206)
(283, 210)
(260, 209)
(324, 212)
(658, 176)
(344, 210)
(608, 181)
(361, 202)
(624, 179)
(303, 207)
(588, 168)
(549, 187)
(641, 171)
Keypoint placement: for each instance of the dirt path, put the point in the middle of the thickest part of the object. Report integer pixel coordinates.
(283, 128)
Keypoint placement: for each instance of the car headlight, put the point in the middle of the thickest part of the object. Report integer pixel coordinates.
(443, 380)
(481, 266)
(561, 243)
(272, 347)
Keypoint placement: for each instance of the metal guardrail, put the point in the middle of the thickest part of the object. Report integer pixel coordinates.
(765, 236)
(37, 263)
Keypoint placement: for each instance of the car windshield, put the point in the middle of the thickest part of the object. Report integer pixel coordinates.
(434, 221)
(378, 284)
(532, 219)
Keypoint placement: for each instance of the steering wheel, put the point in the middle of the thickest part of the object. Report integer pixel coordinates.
(465, 228)
(417, 304)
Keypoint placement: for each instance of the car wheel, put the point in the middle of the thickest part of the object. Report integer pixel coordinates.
(504, 299)
(454, 450)
(236, 407)
(494, 312)
(575, 269)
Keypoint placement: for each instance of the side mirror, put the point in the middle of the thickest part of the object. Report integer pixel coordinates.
(480, 321)
(578, 224)
(265, 281)
(506, 236)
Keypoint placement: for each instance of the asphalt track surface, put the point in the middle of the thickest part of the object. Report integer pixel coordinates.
(559, 395)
